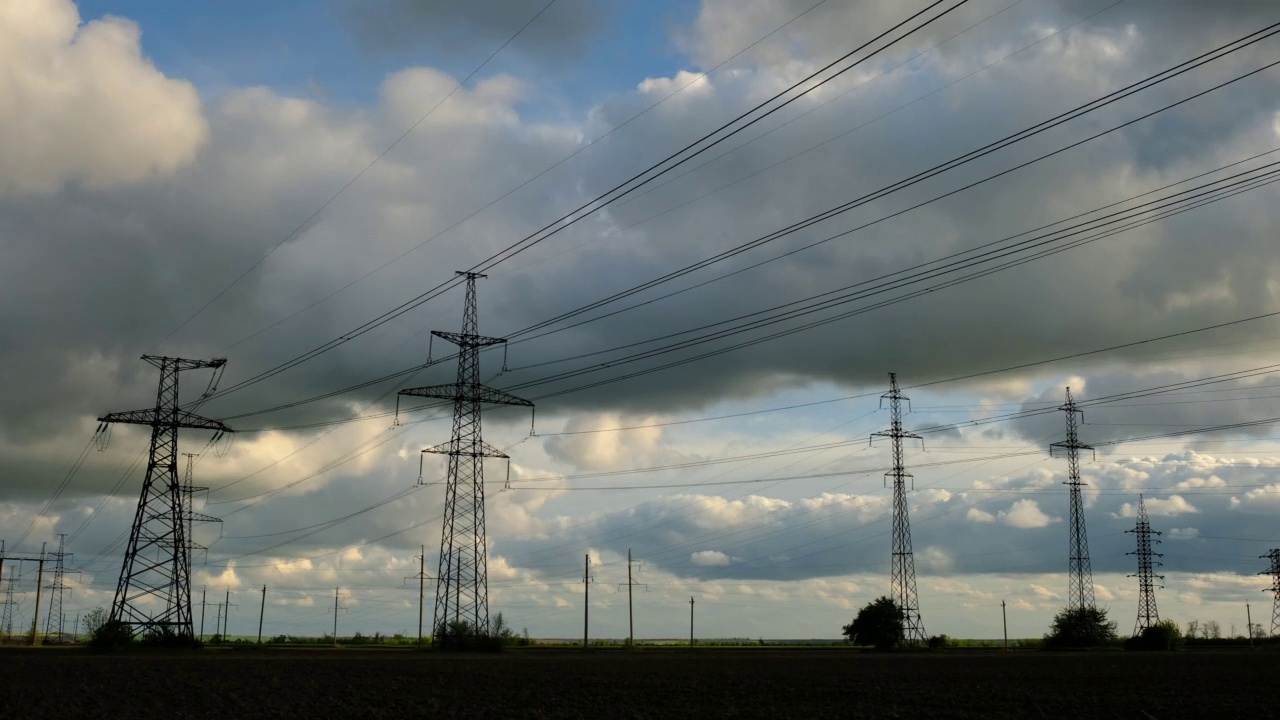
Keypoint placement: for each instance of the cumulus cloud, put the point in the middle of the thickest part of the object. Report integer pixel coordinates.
(979, 516)
(1170, 506)
(1026, 513)
(82, 103)
(709, 558)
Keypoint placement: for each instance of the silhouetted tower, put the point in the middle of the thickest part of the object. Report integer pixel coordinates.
(154, 590)
(189, 491)
(902, 572)
(53, 622)
(1147, 613)
(1274, 572)
(462, 582)
(1080, 583)
(6, 617)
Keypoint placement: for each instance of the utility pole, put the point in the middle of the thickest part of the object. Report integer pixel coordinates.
(226, 617)
(154, 590)
(262, 610)
(422, 577)
(1004, 620)
(586, 597)
(1248, 614)
(202, 607)
(1147, 613)
(1274, 572)
(54, 620)
(902, 580)
(336, 608)
(631, 621)
(1080, 583)
(462, 584)
(75, 634)
(35, 619)
(690, 622)
(217, 624)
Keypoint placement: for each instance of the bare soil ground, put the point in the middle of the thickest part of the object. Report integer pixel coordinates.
(708, 683)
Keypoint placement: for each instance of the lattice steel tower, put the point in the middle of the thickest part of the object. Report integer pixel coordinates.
(1080, 583)
(1274, 572)
(6, 617)
(903, 565)
(462, 582)
(54, 621)
(189, 491)
(154, 590)
(1147, 613)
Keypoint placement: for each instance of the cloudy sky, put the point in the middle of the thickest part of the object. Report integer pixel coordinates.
(253, 181)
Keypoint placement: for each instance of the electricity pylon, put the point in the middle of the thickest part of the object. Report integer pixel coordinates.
(6, 617)
(189, 491)
(1147, 613)
(53, 622)
(462, 581)
(903, 565)
(154, 590)
(1080, 582)
(1274, 572)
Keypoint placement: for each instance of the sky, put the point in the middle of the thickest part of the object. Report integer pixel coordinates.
(253, 181)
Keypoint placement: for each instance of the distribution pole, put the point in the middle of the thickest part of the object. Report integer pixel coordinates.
(902, 576)
(153, 593)
(1004, 620)
(422, 577)
(1080, 584)
(690, 621)
(202, 607)
(462, 583)
(1248, 614)
(336, 608)
(262, 610)
(75, 633)
(226, 617)
(1147, 613)
(217, 623)
(35, 620)
(586, 597)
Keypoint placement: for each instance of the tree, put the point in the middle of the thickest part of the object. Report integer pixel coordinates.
(1163, 635)
(95, 619)
(1081, 628)
(1193, 628)
(1212, 630)
(878, 624)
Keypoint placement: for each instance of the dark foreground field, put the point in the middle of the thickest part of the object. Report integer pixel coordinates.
(667, 684)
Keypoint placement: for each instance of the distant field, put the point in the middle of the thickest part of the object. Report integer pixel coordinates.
(652, 683)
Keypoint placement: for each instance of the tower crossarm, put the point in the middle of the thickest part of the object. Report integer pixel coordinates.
(180, 364)
(482, 449)
(476, 393)
(183, 419)
(464, 340)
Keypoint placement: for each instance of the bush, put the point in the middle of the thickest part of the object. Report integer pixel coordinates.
(460, 636)
(879, 624)
(110, 636)
(1081, 628)
(937, 642)
(1164, 635)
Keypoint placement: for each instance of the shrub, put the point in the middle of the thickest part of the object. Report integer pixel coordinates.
(937, 642)
(878, 624)
(1081, 628)
(110, 636)
(1164, 635)
(460, 636)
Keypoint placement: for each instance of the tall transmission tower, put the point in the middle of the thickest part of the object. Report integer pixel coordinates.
(154, 590)
(462, 581)
(1274, 572)
(189, 491)
(903, 565)
(53, 622)
(1147, 613)
(1080, 582)
(6, 617)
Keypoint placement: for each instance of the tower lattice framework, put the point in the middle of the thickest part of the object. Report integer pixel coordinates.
(1080, 581)
(1274, 572)
(6, 617)
(1148, 615)
(154, 590)
(902, 574)
(54, 621)
(189, 491)
(462, 582)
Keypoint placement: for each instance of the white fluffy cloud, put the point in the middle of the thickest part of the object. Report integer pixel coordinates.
(1026, 513)
(81, 103)
(709, 558)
